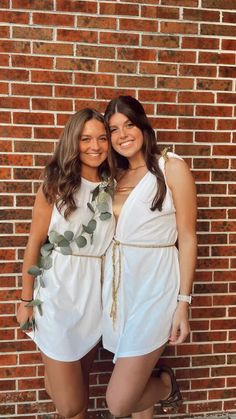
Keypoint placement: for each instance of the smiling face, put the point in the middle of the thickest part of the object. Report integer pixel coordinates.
(126, 138)
(93, 147)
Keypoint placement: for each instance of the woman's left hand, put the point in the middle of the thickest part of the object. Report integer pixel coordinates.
(180, 325)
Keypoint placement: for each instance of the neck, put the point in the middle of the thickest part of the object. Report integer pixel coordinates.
(90, 174)
(136, 163)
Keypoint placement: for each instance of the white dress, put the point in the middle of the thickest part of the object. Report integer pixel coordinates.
(70, 325)
(142, 269)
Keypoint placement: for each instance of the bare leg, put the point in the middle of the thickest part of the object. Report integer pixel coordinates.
(131, 387)
(145, 414)
(67, 384)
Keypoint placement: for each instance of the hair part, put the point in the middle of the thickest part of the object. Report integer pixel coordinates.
(62, 175)
(134, 111)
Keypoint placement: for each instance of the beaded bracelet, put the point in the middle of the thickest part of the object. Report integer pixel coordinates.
(26, 301)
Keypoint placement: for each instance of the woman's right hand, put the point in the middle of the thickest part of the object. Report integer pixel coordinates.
(24, 314)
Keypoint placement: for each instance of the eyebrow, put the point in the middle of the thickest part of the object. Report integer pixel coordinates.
(115, 125)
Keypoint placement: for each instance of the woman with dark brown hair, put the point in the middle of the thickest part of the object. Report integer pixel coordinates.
(147, 282)
(72, 227)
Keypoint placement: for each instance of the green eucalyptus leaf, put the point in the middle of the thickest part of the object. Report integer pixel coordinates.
(66, 250)
(33, 303)
(105, 216)
(41, 282)
(48, 246)
(34, 270)
(69, 235)
(46, 262)
(103, 197)
(40, 310)
(95, 193)
(26, 326)
(81, 241)
(45, 252)
(90, 227)
(90, 207)
(53, 237)
(103, 207)
(63, 243)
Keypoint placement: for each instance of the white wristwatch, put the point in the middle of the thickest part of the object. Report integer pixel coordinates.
(186, 298)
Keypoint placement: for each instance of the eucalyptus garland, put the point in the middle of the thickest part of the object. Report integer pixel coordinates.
(100, 203)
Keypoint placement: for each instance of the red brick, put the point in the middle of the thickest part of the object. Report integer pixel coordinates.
(160, 41)
(179, 28)
(218, 4)
(96, 22)
(77, 6)
(197, 70)
(14, 17)
(69, 35)
(35, 4)
(31, 90)
(228, 44)
(119, 9)
(187, 3)
(227, 71)
(52, 48)
(52, 105)
(33, 118)
(30, 61)
(208, 84)
(200, 43)
(177, 56)
(95, 51)
(94, 79)
(75, 64)
(32, 33)
(201, 15)
(12, 74)
(117, 67)
(136, 54)
(15, 46)
(150, 68)
(119, 38)
(53, 19)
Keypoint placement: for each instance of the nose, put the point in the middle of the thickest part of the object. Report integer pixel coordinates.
(95, 144)
(122, 132)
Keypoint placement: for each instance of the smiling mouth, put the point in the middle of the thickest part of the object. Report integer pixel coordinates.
(126, 143)
(94, 154)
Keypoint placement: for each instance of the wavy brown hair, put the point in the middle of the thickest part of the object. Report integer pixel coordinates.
(132, 108)
(62, 175)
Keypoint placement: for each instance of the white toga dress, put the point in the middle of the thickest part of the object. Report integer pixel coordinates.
(71, 301)
(141, 280)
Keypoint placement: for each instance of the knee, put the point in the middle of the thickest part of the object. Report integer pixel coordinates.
(69, 410)
(118, 405)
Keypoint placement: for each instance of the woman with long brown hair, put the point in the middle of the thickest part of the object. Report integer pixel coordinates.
(71, 229)
(148, 281)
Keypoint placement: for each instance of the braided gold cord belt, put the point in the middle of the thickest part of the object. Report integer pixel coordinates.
(102, 258)
(116, 283)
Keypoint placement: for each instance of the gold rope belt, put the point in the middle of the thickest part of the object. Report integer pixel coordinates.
(116, 283)
(102, 258)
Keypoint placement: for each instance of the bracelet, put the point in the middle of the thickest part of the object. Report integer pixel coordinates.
(26, 301)
(186, 298)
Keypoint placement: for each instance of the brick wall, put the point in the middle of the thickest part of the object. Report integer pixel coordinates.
(178, 58)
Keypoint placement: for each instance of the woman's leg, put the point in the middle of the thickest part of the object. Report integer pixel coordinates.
(67, 384)
(131, 387)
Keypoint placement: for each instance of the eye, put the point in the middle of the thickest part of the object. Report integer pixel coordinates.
(112, 130)
(130, 124)
(103, 138)
(85, 139)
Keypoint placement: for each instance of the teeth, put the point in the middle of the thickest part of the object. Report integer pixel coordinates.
(126, 143)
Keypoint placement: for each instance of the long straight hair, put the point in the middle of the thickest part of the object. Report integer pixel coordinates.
(62, 175)
(134, 111)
